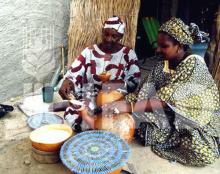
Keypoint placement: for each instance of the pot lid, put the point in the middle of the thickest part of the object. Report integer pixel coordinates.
(37, 120)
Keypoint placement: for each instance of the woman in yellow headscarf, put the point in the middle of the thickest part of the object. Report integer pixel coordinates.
(178, 103)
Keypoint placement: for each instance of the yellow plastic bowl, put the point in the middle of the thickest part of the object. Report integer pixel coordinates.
(51, 137)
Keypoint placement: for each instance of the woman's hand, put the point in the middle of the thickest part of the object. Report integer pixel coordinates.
(116, 108)
(112, 85)
(59, 106)
(66, 90)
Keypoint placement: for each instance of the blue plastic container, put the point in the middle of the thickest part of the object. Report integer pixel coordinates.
(199, 48)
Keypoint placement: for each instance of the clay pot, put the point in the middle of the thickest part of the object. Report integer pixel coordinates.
(121, 124)
(105, 97)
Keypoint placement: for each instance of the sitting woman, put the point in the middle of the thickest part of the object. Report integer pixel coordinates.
(108, 59)
(178, 103)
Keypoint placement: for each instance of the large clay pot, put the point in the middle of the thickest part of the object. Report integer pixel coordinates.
(121, 124)
(105, 97)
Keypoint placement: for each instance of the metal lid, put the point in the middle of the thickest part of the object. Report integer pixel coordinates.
(94, 152)
(41, 119)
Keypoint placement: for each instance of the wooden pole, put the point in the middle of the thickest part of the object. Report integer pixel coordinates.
(62, 60)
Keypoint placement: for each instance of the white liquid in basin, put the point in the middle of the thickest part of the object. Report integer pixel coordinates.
(52, 136)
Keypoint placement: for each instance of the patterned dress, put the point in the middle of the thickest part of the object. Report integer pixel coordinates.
(183, 131)
(122, 65)
(84, 72)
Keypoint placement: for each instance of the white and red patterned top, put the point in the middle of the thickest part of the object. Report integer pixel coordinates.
(122, 65)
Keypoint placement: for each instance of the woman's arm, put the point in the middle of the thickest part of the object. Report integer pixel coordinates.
(122, 107)
(149, 105)
(88, 119)
(141, 106)
(73, 78)
(131, 72)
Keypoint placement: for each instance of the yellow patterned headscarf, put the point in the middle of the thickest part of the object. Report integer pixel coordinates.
(176, 28)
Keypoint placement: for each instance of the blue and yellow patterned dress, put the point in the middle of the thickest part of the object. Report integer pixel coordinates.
(183, 131)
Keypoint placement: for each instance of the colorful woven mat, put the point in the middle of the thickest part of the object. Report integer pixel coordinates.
(94, 152)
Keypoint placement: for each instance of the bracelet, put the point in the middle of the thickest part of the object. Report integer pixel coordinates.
(132, 107)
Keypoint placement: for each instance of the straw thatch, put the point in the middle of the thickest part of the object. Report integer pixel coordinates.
(87, 17)
(213, 53)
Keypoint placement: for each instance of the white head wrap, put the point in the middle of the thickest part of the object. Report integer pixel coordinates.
(116, 23)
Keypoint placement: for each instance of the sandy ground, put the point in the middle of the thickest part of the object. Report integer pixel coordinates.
(16, 158)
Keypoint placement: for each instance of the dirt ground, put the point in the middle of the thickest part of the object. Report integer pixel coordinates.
(16, 158)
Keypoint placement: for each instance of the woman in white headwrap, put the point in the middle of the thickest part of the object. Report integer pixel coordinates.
(108, 56)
